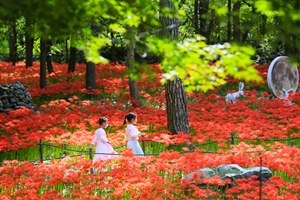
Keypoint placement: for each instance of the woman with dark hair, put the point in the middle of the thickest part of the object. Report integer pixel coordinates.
(103, 148)
(132, 134)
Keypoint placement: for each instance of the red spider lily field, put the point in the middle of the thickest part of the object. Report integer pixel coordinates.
(264, 129)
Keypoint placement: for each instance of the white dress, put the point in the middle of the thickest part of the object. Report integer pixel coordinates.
(132, 134)
(102, 146)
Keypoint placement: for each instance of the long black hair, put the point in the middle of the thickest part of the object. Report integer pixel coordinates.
(102, 120)
(130, 116)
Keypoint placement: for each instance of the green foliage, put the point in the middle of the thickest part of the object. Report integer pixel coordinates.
(190, 59)
(202, 66)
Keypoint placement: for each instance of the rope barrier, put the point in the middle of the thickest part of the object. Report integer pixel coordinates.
(85, 152)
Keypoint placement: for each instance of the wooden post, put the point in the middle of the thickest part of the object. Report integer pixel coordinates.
(292, 143)
(91, 158)
(143, 144)
(260, 179)
(232, 138)
(65, 146)
(41, 150)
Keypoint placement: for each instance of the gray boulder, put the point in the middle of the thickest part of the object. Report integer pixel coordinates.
(232, 172)
(13, 96)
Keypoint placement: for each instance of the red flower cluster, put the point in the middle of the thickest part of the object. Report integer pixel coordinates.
(211, 119)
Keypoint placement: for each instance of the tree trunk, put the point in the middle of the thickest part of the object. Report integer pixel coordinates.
(176, 101)
(49, 57)
(295, 34)
(203, 10)
(245, 35)
(91, 72)
(28, 45)
(113, 48)
(67, 51)
(72, 61)
(248, 25)
(229, 21)
(90, 77)
(133, 89)
(263, 29)
(43, 57)
(13, 51)
(236, 21)
(177, 112)
(210, 26)
(196, 16)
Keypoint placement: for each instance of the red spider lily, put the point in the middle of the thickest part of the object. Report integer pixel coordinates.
(74, 122)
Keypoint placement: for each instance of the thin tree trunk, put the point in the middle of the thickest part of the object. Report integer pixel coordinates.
(176, 101)
(113, 48)
(236, 21)
(28, 45)
(250, 23)
(43, 57)
(133, 89)
(67, 51)
(196, 16)
(203, 10)
(263, 29)
(245, 35)
(72, 61)
(49, 57)
(13, 51)
(90, 77)
(91, 72)
(229, 21)
(210, 26)
(296, 37)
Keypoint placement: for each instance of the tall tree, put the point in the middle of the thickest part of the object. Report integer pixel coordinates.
(43, 58)
(49, 57)
(91, 70)
(133, 89)
(67, 50)
(28, 44)
(196, 16)
(113, 47)
(201, 8)
(72, 60)
(236, 21)
(203, 11)
(228, 20)
(90, 76)
(176, 101)
(13, 53)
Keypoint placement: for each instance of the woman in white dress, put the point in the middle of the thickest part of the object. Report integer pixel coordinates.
(102, 142)
(133, 134)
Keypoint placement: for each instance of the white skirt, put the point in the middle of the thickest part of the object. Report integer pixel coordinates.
(135, 146)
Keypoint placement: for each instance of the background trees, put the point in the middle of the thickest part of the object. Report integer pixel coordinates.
(269, 26)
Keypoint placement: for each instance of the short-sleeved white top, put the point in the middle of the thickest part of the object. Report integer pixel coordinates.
(132, 132)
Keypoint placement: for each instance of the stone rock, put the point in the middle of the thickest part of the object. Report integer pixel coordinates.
(232, 172)
(13, 96)
(222, 170)
(265, 174)
(204, 173)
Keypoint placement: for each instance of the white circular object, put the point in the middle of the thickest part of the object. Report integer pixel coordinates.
(282, 77)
